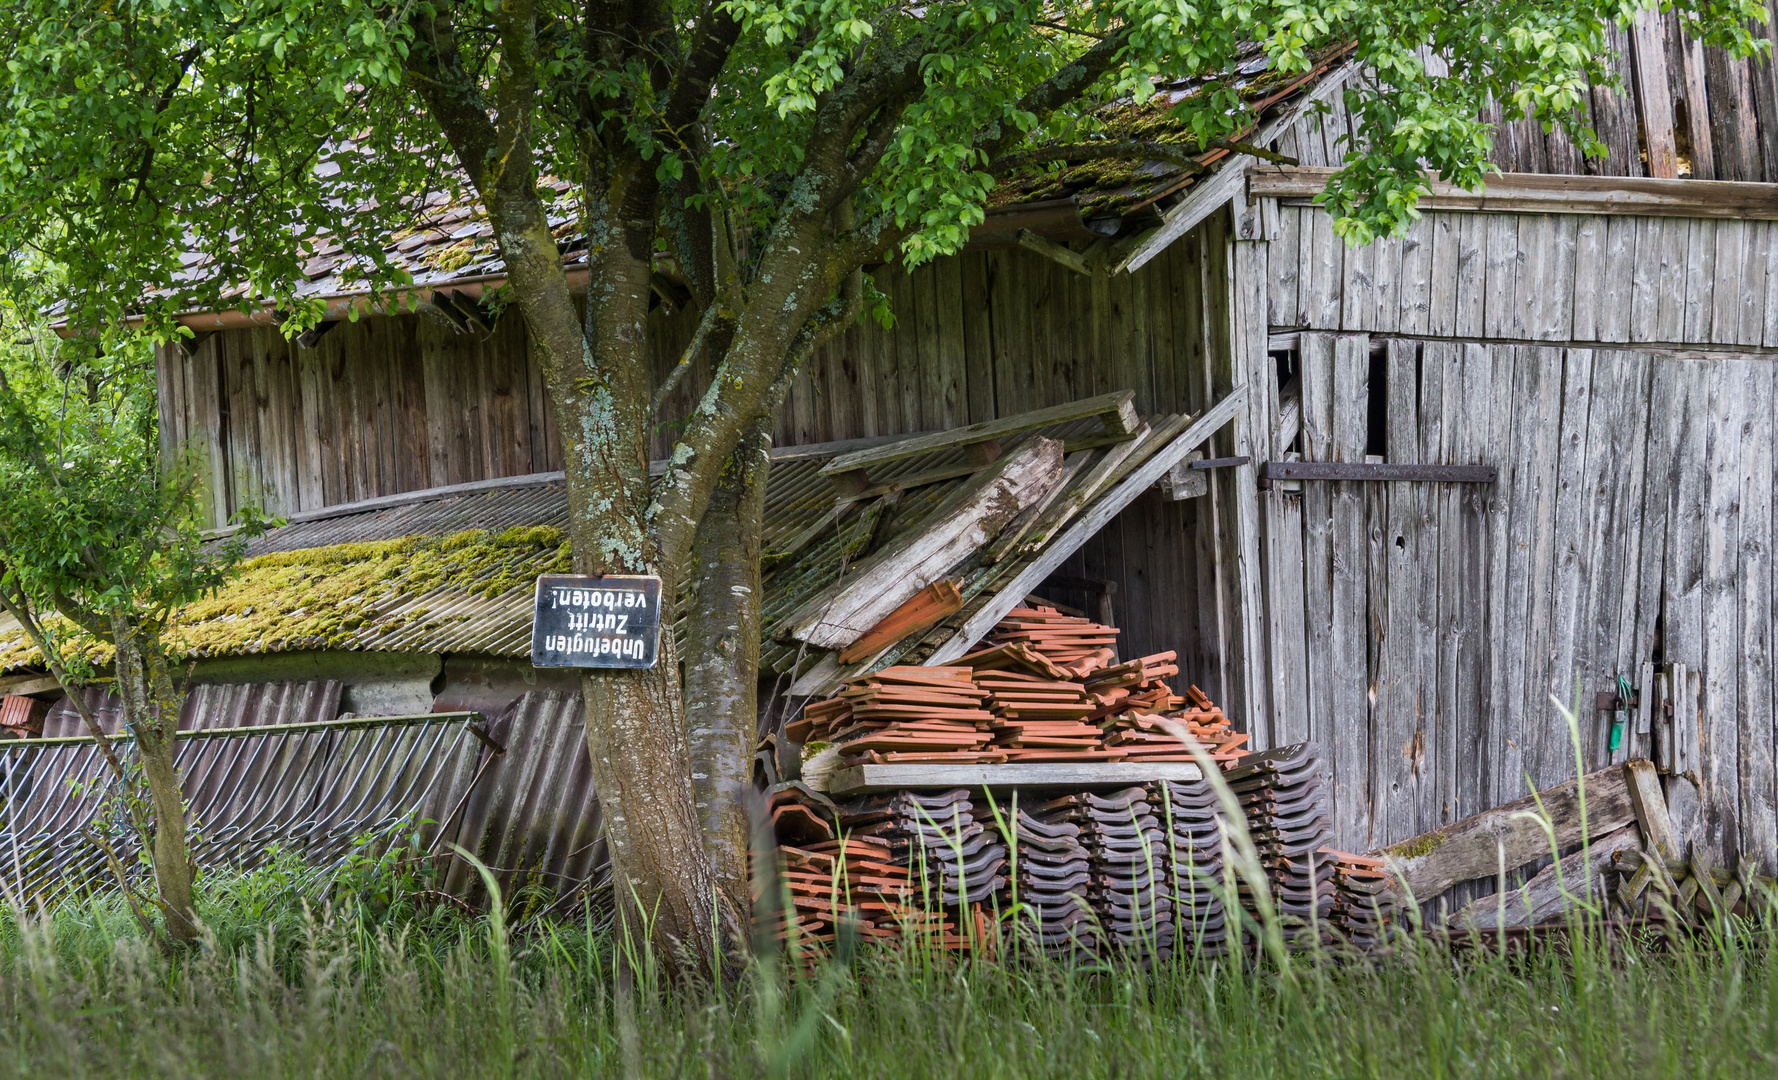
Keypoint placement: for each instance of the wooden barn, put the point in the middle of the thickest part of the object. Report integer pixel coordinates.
(1524, 450)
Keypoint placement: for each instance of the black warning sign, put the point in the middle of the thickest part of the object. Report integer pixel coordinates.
(599, 621)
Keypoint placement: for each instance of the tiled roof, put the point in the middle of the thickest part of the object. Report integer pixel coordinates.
(452, 242)
(1119, 188)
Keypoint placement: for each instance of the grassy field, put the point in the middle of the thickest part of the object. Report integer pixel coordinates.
(284, 993)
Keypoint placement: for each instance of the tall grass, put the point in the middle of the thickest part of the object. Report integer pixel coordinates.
(319, 994)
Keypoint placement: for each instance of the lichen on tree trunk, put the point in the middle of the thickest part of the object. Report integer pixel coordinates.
(722, 657)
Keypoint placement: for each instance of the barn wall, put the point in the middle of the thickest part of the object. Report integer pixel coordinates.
(1419, 631)
(389, 405)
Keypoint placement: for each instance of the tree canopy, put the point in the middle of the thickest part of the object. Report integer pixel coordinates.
(242, 129)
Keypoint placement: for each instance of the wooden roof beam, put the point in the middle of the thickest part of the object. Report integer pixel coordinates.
(1539, 193)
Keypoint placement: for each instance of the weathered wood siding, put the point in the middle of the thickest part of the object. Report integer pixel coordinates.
(390, 405)
(1632, 521)
(1533, 277)
(1683, 110)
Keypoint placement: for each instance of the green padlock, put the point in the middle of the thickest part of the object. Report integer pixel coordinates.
(1621, 715)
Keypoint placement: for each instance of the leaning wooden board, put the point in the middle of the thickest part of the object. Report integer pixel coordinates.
(862, 779)
(1477, 846)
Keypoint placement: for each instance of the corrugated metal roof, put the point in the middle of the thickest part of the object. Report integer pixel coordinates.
(371, 580)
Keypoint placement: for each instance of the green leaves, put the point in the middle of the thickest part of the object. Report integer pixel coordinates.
(93, 523)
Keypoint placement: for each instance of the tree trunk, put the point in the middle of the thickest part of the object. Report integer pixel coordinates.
(722, 658)
(151, 711)
(635, 728)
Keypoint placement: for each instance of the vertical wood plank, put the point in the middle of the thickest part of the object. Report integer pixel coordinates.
(1252, 367)
(1674, 247)
(1357, 302)
(1494, 371)
(1283, 265)
(1724, 285)
(1645, 279)
(1758, 780)
(1730, 383)
(1697, 102)
(1750, 287)
(1587, 557)
(946, 276)
(1682, 613)
(1401, 751)
(1734, 132)
(1353, 738)
(1500, 306)
(1589, 278)
(1328, 256)
(1700, 279)
(1653, 96)
(1616, 613)
(1617, 280)
(1472, 275)
(1556, 309)
(1317, 358)
(1415, 308)
(978, 336)
(1386, 261)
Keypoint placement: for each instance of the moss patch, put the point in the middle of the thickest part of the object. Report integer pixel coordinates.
(319, 598)
(1417, 848)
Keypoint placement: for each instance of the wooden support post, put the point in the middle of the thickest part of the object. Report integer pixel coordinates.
(1054, 252)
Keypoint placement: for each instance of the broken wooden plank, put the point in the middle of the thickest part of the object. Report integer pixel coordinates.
(1206, 197)
(1431, 863)
(968, 519)
(1054, 252)
(26, 685)
(927, 608)
(1116, 410)
(1650, 805)
(1056, 552)
(1014, 532)
(1183, 481)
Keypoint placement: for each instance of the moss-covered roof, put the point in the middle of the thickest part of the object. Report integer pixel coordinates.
(468, 591)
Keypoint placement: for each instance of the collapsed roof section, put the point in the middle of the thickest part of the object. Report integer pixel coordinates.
(452, 570)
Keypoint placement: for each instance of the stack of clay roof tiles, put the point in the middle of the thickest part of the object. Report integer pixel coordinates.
(1051, 881)
(952, 859)
(1068, 641)
(1190, 813)
(1026, 698)
(1282, 795)
(861, 881)
(930, 715)
(1126, 847)
(1363, 901)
